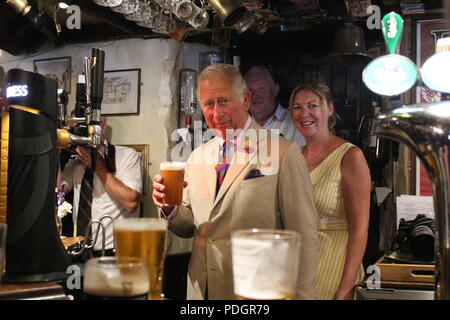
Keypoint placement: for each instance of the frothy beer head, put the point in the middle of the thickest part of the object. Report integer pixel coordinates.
(140, 224)
(173, 178)
(108, 277)
(173, 166)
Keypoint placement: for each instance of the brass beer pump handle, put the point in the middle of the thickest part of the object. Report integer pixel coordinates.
(62, 138)
(20, 6)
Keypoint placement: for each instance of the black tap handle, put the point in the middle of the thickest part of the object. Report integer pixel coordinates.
(97, 74)
(80, 97)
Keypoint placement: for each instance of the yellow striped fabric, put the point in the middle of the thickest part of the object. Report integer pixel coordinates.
(333, 230)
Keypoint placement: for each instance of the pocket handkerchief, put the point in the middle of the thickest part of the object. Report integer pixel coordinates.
(254, 173)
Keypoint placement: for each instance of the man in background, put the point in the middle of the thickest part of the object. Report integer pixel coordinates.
(264, 107)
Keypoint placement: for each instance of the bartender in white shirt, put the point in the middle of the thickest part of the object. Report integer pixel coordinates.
(117, 185)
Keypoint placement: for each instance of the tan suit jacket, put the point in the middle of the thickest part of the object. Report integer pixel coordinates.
(281, 199)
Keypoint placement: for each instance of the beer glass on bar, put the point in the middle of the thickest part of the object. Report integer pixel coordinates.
(108, 278)
(173, 179)
(265, 264)
(145, 239)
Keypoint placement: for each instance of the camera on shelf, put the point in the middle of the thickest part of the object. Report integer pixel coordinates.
(417, 237)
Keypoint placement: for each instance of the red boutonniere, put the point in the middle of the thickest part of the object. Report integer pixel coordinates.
(247, 146)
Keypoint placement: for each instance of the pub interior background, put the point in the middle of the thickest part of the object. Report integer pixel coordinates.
(299, 37)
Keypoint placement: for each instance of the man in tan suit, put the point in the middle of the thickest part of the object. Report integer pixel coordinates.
(266, 185)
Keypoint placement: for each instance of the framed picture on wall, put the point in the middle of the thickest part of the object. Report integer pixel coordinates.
(121, 92)
(58, 69)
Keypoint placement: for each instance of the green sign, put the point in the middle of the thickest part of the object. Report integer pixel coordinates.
(392, 27)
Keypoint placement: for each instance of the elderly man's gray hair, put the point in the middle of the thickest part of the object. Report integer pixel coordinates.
(261, 69)
(227, 70)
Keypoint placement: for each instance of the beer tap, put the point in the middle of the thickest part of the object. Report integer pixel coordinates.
(97, 74)
(80, 103)
(88, 107)
(425, 129)
(63, 99)
(87, 72)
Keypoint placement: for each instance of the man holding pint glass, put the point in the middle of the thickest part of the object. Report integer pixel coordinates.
(245, 177)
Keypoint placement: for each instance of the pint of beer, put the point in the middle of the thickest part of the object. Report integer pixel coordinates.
(107, 278)
(265, 264)
(173, 179)
(143, 238)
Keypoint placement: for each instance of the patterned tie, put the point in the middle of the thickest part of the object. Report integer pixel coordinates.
(85, 202)
(222, 167)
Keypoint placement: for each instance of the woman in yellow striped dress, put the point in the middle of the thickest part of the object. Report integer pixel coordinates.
(341, 182)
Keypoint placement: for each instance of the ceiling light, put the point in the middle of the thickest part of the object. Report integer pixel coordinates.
(63, 5)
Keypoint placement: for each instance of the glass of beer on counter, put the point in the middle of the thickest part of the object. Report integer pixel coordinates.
(108, 278)
(265, 264)
(173, 179)
(145, 239)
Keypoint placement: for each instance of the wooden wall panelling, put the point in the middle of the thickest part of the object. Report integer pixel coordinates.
(353, 100)
(309, 73)
(324, 74)
(337, 86)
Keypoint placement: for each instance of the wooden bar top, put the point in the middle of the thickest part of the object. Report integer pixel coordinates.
(43, 290)
(33, 291)
(38, 291)
(67, 242)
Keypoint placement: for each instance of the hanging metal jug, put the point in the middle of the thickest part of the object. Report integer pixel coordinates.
(230, 11)
(349, 48)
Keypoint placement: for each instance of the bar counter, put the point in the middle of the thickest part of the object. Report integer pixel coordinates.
(174, 282)
(33, 291)
(53, 290)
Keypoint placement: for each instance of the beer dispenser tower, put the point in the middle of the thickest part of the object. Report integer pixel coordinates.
(34, 251)
(28, 169)
(425, 129)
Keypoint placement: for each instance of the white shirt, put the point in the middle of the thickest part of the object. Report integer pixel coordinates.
(282, 121)
(128, 170)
